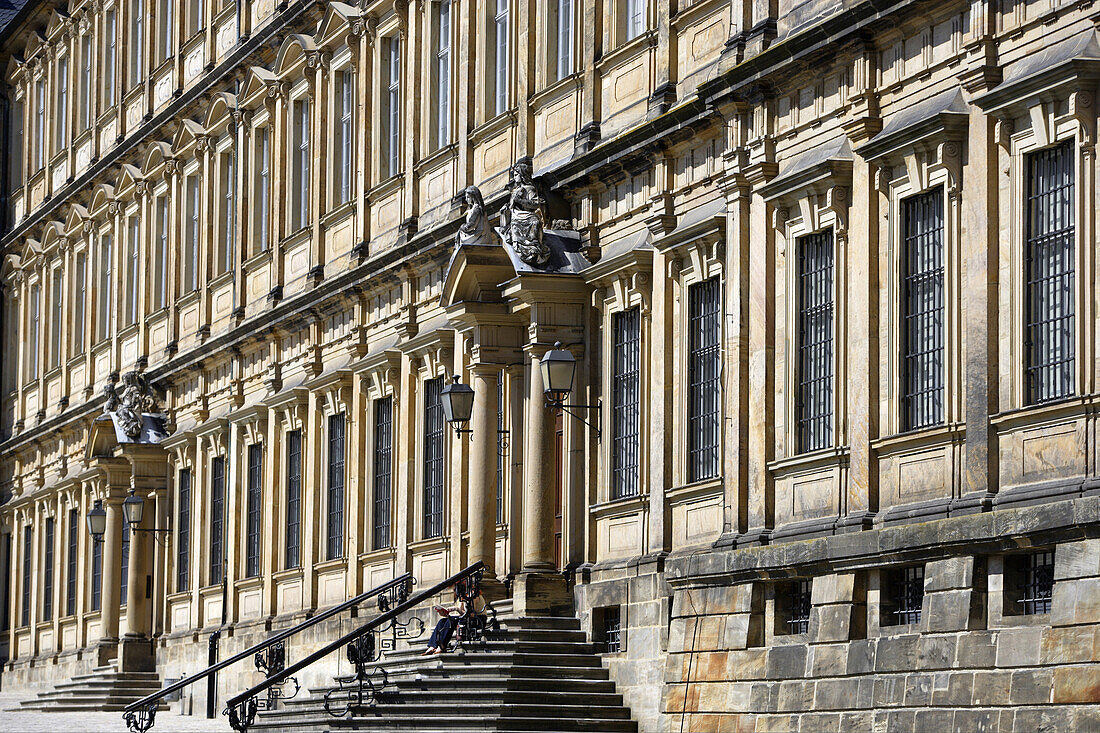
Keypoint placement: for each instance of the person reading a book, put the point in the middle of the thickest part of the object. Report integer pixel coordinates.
(448, 622)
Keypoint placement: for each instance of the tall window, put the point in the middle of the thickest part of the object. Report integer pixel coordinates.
(301, 164)
(1049, 261)
(498, 53)
(345, 135)
(216, 571)
(191, 241)
(293, 498)
(28, 548)
(263, 187)
(194, 16)
(61, 114)
(625, 402)
(106, 293)
(164, 31)
(32, 340)
(433, 458)
(183, 531)
(15, 162)
(97, 572)
(383, 467)
(229, 208)
(133, 251)
(633, 19)
(922, 311)
(85, 81)
(47, 573)
(560, 38)
(160, 256)
(442, 72)
(335, 486)
(124, 577)
(70, 569)
(58, 318)
(814, 404)
(501, 464)
(111, 57)
(5, 583)
(39, 124)
(80, 296)
(391, 137)
(252, 538)
(137, 42)
(704, 379)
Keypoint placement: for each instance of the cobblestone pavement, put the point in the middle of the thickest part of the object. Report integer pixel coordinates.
(167, 721)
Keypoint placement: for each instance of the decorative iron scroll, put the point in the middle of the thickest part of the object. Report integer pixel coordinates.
(141, 720)
(272, 661)
(243, 715)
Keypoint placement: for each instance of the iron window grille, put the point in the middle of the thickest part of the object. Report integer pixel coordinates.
(906, 587)
(217, 520)
(292, 558)
(383, 470)
(183, 532)
(433, 458)
(799, 603)
(47, 573)
(97, 575)
(501, 448)
(612, 630)
(922, 374)
(625, 408)
(28, 547)
(704, 379)
(336, 486)
(1049, 293)
(815, 341)
(255, 509)
(70, 574)
(1037, 586)
(124, 578)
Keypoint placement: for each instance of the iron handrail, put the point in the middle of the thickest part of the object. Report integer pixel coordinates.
(352, 636)
(252, 650)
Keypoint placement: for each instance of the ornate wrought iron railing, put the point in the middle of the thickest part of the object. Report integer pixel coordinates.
(363, 650)
(269, 655)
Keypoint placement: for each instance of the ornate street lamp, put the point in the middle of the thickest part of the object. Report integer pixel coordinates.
(97, 521)
(558, 367)
(458, 404)
(133, 509)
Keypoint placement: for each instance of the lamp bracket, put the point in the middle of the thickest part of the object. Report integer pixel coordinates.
(571, 410)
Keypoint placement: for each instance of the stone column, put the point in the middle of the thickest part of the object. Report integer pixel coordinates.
(540, 590)
(135, 651)
(483, 467)
(112, 568)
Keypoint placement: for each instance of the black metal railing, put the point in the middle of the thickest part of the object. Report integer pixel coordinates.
(363, 651)
(269, 655)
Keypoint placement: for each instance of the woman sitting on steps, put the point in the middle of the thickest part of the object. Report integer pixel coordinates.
(446, 625)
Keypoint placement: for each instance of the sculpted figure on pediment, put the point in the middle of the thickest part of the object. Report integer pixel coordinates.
(475, 229)
(522, 218)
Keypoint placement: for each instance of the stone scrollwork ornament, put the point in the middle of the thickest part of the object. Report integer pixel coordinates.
(522, 218)
(126, 405)
(475, 229)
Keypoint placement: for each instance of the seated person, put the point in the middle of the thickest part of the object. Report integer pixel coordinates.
(446, 625)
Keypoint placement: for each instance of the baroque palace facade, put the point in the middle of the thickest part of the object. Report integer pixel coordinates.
(824, 267)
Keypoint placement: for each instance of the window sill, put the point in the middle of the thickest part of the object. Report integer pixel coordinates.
(921, 438)
(493, 126)
(826, 457)
(435, 157)
(557, 88)
(627, 50)
(694, 490)
(1070, 406)
(618, 507)
(286, 574)
(383, 553)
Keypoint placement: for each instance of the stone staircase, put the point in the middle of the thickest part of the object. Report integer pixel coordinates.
(538, 674)
(103, 689)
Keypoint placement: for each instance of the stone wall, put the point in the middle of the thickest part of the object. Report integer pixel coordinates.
(972, 663)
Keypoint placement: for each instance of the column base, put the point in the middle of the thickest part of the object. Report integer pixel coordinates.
(541, 594)
(492, 589)
(106, 651)
(135, 654)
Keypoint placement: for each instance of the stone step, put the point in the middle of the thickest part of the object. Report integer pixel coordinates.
(464, 685)
(422, 723)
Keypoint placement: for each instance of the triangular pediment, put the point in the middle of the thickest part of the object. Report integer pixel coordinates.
(186, 135)
(336, 23)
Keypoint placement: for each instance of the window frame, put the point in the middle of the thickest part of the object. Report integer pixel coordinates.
(433, 517)
(692, 471)
(626, 383)
(292, 553)
(215, 570)
(805, 443)
(254, 510)
(183, 531)
(382, 474)
(336, 488)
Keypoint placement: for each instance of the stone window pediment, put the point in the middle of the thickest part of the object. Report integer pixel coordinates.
(1051, 74)
(925, 125)
(816, 171)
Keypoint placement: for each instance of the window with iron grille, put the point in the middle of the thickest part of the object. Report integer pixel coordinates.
(815, 341)
(183, 531)
(216, 571)
(793, 604)
(383, 470)
(922, 311)
(27, 549)
(904, 594)
(70, 570)
(1029, 585)
(704, 379)
(501, 441)
(124, 578)
(293, 499)
(612, 629)
(1048, 254)
(433, 458)
(97, 575)
(625, 402)
(47, 573)
(252, 549)
(336, 486)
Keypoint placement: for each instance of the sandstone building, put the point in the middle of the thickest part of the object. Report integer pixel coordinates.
(824, 267)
